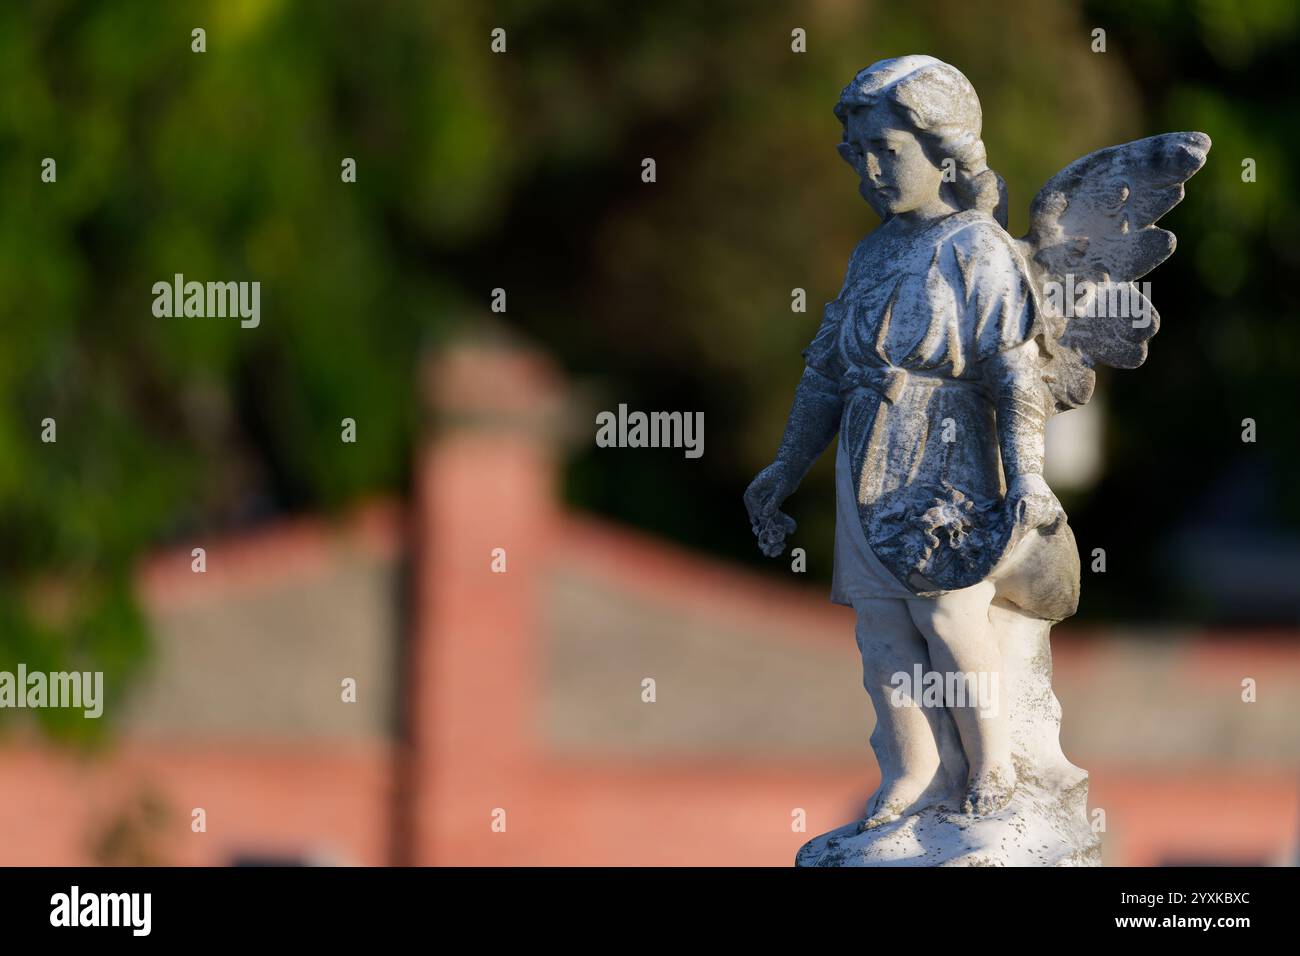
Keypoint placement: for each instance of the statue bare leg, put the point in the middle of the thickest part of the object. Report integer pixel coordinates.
(961, 640)
(916, 747)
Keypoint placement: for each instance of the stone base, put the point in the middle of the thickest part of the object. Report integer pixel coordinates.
(1037, 828)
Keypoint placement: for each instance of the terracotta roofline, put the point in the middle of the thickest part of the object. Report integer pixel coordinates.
(268, 557)
(639, 563)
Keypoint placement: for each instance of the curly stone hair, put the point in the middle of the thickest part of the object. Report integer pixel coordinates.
(936, 101)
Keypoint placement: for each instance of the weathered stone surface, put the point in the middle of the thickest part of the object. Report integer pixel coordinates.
(1046, 822)
(938, 365)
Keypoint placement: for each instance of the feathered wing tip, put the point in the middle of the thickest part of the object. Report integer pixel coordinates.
(1091, 236)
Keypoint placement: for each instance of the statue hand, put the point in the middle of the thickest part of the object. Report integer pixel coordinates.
(1033, 504)
(763, 499)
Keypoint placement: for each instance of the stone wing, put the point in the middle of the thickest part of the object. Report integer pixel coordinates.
(1092, 234)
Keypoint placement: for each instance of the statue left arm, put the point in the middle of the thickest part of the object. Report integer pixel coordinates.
(1015, 379)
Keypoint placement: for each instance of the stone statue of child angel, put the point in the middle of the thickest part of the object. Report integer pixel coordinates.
(939, 364)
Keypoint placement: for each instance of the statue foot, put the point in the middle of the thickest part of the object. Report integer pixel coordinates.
(902, 797)
(879, 818)
(989, 791)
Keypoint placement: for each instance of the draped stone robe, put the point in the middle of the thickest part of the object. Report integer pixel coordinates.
(906, 344)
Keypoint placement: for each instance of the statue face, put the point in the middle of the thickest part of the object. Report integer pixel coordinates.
(897, 176)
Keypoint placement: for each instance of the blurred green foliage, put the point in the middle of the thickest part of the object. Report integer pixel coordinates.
(522, 170)
(220, 165)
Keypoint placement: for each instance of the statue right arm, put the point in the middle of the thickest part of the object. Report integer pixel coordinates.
(814, 420)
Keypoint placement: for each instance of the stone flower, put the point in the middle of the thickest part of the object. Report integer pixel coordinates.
(950, 515)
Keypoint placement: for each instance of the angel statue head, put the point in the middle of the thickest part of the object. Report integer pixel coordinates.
(912, 134)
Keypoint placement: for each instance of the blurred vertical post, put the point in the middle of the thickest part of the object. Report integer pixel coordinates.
(484, 480)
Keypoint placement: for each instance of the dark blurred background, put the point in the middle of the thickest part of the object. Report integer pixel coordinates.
(522, 171)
